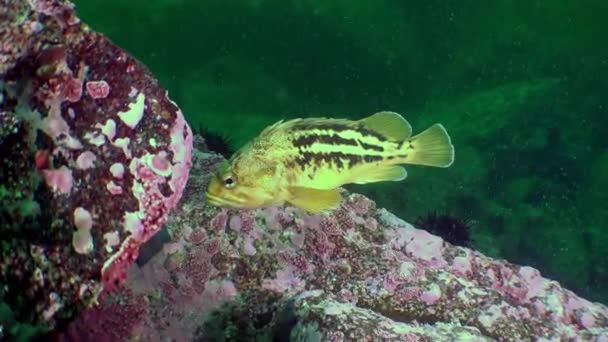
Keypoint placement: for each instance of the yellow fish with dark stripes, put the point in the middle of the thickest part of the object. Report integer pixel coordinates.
(304, 161)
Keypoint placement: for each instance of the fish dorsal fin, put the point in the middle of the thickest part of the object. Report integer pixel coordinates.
(272, 128)
(390, 124)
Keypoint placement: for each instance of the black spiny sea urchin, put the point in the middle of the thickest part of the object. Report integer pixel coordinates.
(215, 142)
(451, 228)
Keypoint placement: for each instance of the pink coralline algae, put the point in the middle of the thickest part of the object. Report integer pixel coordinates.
(113, 320)
(280, 273)
(95, 133)
(98, 89)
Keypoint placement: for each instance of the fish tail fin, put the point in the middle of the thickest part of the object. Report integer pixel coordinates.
(432, 147)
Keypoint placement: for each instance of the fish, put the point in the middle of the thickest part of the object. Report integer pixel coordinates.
(303, 162)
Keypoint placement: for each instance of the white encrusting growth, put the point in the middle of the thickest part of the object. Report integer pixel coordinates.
(133, 115)
(86, 160)
(133, 224)
(117, 170)
(82, 219)
(95, 138)
(108, 129)
(123, 143)
(112, 240)
(82, 241)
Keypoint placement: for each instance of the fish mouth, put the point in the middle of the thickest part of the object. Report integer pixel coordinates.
(222, 202)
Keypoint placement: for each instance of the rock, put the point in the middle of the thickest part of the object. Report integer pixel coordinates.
(94, 157)
(357, 272)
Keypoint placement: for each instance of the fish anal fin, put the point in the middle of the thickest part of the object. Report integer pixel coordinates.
(314, 200)
(377, 173)
(390, 124)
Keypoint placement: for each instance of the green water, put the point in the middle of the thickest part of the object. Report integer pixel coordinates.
(520, 86)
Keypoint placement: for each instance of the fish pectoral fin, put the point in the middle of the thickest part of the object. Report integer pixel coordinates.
(390, 124)
(377, 173)
(314, 200)
(433, 147)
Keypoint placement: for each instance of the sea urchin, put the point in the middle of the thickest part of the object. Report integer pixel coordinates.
(451, 228)
(215, 142)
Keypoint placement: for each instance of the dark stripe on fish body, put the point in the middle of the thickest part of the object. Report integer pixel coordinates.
(316, 159)
(369, 132)
(409, 144)
(333, 158)
(370, 159)
(333, 139)
(401, 156)
(371, 147)
(321, 126)
(358, 128)
(308, 140)
(341, 128)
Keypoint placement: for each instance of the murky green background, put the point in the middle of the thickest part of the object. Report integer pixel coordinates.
(520, 85)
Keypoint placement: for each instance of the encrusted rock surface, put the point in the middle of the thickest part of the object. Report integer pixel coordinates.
(358, 273)
(94, 155)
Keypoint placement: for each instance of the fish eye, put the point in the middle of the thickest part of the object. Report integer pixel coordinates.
(229, 181)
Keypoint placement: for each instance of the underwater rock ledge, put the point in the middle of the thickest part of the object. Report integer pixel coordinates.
(94, 156)
(358, 273)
